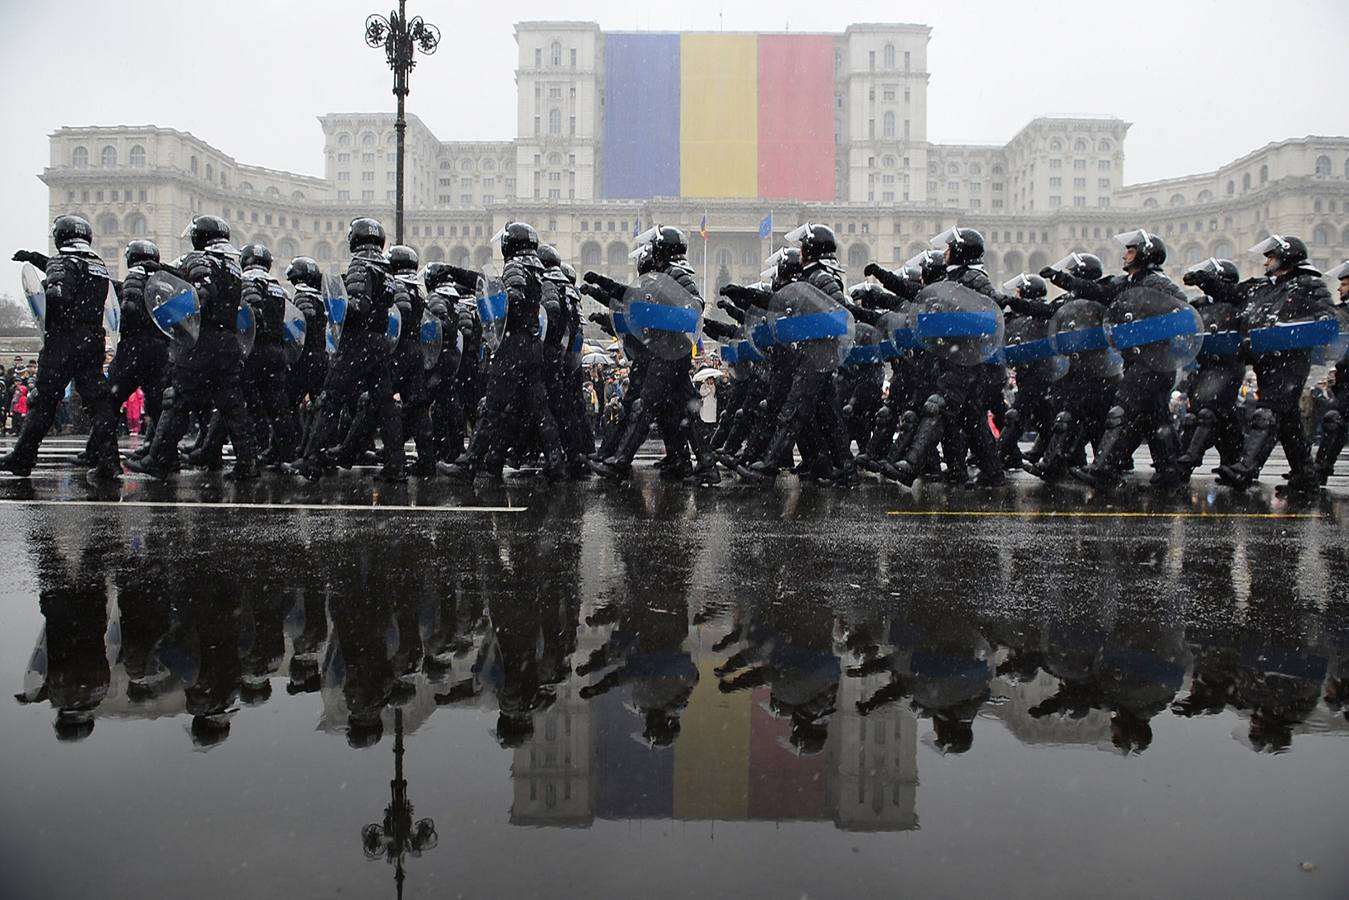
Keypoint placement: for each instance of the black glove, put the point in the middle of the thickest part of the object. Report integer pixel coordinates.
(591, 277)
(598, 318)
(871, 270)
(1190, 278)
(25, 256)
(726, 305)
(1048, 273)
(726, 291)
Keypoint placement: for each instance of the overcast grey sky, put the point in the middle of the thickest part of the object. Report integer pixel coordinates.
(1202, 82)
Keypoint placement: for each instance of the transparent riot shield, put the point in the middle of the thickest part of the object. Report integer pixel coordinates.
(667, 319)
(958, 324)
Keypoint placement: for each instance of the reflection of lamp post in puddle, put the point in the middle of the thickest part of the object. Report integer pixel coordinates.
(397, 835)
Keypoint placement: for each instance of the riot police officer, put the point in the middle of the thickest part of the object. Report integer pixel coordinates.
(1141, 412)
(142, 358)
(305, 379)
(1033, 406)
(76, 288)
(361, 364)
(409, 364)
(443, 300)
(1216, 384)
(208, 375)
(1295, 292)
(265, 370)
(1333, 423)
(515, 390)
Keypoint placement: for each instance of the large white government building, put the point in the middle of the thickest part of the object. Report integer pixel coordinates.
(1056, 186)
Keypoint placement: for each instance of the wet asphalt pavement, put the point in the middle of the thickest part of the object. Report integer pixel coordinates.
(284, 689)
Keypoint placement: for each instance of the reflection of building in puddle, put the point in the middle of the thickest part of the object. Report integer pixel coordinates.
(1013, 701)
(732, 761)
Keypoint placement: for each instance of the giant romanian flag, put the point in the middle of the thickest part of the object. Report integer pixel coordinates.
(718, 115)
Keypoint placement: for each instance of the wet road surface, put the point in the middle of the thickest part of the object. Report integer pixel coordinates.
(595, 690)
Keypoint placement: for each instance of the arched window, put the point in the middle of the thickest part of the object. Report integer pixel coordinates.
(108, 158)
(245, 187)
(1104, 146)
(224, 178)
(459, 255)
(434, 254)
(554, 159)
(1013, 261)
(953, 169)
(286, 250)
(444, 165)
(322, 252)
(107, 224)
(590, 254)
(1055, 146)
(1231, 187)
(344, 140)
(933, 168)
(976, 169)
(1264, 174)
(554, 121)
(368, 139)
(997, 170)
(482, 256)
(888, 125)
(210, 172)
(723, 259)
(1204, 196)
(858, 256)
(137, 157)
(192, 165)
(1150, 203)
(1177, 199)
(555, 53)
(272, 192)
(488, 165)
(391, 139)
(1246, 182)
(135, 225)
(1079, 146)
(1321, 236)
(747, 258)
(465, 165)
(1223, 250)
(1193, 253)
(889, 56)
(297, 195)
(79, 157)
(618, 255)
(1323, 165)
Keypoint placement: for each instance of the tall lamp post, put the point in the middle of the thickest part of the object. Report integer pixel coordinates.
(401, 41)
(398, 835)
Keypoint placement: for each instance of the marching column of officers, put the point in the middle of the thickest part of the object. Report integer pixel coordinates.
(436, 354)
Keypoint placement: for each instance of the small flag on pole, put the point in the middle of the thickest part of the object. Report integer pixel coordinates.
(702, 229)
(637, 226)
(766, 226)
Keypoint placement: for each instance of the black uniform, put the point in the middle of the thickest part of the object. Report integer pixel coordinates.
(1216, 384)
(76, 287)
(142, 358)
(305, 380)
(208, 375)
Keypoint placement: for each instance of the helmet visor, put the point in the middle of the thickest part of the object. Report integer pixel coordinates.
(1340, 271)
(1271, 244)
(1139, 237)
(797, 234)
(1209, 265)
(916, 262)
(947, 237)
(1016, 283)
(767, 275)
(1068, 263)
(648, 236)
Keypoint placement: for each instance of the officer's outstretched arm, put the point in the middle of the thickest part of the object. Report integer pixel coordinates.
(31, 256)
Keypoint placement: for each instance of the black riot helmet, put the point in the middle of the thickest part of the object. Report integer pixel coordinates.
(255, 256)
(365, 232)
(930, 266)
(912, 275)
(790, 266)
(206, 231)
(963, 246)
(1290, 252)
(517, 238)
(668, 244)
(1149, 250)
(1086, 266)
(1028, 287)
(570, 272)
(549, 256)
(402, 259)
(646, 261)
(140, 251)
(817, 242)
(437, 274)
(304, 271)
(72, 231)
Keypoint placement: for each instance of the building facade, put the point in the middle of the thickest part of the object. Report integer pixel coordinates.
(605, 147)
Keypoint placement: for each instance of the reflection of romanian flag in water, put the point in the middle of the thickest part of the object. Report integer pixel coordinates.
(719, 115)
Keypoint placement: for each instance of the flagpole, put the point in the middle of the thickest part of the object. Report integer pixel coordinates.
(705, 260)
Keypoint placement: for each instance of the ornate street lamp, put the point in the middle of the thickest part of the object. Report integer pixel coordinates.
(398, 835)
(401, 40)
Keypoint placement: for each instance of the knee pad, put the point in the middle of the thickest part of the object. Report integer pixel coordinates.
(1189, 420)
(935, 405)
(1207, 417)
(1114, 418)
(168, 398)
(637, 407)
(1333, 419)
(1011, 419)
(847, 410)
(1264, 419)
(884, 416)
(1063, 421)
(909, 419)
(763, 406)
